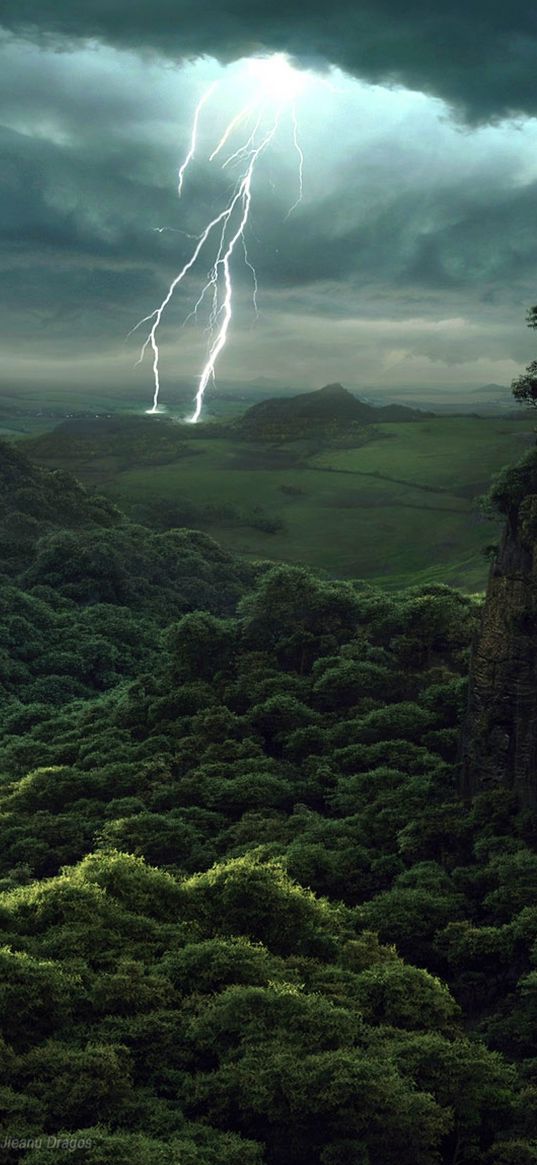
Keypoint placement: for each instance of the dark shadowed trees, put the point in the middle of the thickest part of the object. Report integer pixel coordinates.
(524, 387)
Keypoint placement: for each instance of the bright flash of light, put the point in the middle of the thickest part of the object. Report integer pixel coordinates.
(277, 86)
(298, 149)
(193, 139)
(276, 76)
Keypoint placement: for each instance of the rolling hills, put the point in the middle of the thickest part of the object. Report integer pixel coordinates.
(389, 501)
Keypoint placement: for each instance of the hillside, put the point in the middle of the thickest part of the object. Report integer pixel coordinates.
(35, 501)
(239, 892)
(325, 411)
(396, 503)
(114, 442)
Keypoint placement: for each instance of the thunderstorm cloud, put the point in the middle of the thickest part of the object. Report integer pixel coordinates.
(412, 258)
(478, 56)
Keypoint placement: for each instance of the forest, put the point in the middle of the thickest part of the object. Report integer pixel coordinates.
(248, 916)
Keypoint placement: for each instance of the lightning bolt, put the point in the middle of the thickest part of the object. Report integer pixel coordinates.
(298, 149)
(245, 196)
(230, 225)
(240, 116)
(194, 139)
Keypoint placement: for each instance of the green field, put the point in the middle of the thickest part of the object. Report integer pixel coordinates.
(28, 411)
(399, 510)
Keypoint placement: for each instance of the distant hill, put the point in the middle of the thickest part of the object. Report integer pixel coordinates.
(328, 410)
(491, 390)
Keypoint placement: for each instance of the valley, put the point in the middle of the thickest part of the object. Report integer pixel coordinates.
(393, 502)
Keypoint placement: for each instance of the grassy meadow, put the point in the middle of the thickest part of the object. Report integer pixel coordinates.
(398, 510)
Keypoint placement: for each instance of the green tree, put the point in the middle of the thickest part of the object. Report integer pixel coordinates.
(298, 617)
(201, 645)
(36, 996)
(524, 387)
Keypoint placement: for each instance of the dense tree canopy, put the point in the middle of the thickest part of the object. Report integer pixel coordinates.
(246, 918)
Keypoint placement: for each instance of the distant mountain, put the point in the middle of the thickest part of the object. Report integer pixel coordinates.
(328, 410)
(491, 390)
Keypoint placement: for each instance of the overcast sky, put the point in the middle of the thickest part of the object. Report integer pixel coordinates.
(411, 260)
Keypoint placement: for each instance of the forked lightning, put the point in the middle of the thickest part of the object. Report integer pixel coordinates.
(277, 87)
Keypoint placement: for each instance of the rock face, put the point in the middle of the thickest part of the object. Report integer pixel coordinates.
(500, 733)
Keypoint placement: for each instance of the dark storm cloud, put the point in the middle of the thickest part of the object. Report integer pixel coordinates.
(80, 205)
(463, 236)
(404, 219)
(480, 56)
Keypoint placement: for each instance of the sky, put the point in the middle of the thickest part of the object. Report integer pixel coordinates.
(410, 262)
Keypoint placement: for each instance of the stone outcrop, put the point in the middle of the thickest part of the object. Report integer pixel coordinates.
(499, 745)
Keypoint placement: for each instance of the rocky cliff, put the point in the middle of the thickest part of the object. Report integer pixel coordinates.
(500, 734)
